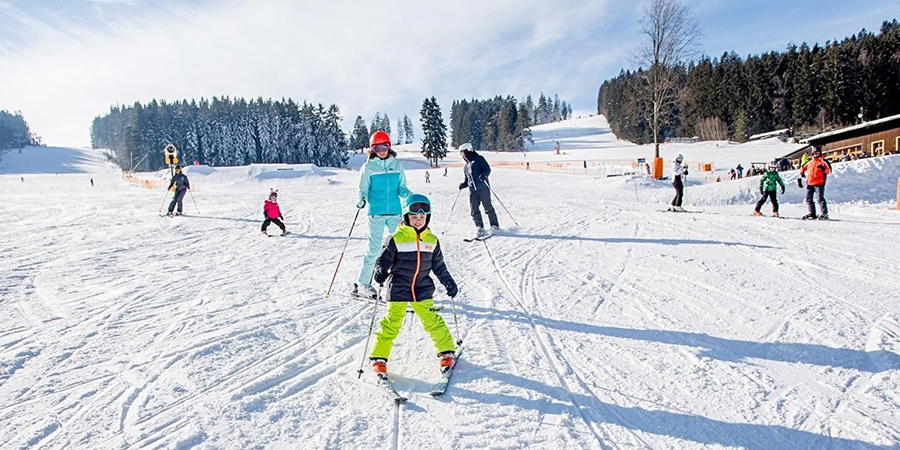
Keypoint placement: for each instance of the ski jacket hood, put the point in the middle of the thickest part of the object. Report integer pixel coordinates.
(406, 262)
(382, 183)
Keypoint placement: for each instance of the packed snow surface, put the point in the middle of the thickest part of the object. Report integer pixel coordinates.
(598, 322)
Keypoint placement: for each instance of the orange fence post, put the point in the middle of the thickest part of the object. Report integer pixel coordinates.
(657, 168)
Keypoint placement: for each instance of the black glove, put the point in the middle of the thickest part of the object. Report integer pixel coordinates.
(280, 217)
(463, 185)
(685, 172)
(452, 290)
(799, 182)
(782, 190)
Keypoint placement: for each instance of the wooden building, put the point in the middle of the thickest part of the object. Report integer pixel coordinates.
(874, 138)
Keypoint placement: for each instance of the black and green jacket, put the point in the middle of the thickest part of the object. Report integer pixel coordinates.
(405, 263)
(769, 180)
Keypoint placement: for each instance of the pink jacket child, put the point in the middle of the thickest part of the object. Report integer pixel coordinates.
(272, 213)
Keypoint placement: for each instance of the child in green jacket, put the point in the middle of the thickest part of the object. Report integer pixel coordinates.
(767, 184)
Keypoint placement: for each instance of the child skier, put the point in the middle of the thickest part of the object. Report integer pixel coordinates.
(767, 184)
(406, 260)
(272, 213)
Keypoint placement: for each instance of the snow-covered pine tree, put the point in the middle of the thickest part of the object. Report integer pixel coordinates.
(434, 142)
(398, 136)
(407, 130)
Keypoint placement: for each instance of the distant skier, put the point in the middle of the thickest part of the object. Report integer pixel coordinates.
(181, 183)
(816, 172)
(405, 263)
(92, 182)
(445, 171)
(679, 172)
(740, 171)
(733, 174)
(382, 183)
(272, 214)
(427, 177)
(477, 171)
(767, 184)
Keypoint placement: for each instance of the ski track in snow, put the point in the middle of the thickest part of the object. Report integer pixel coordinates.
(598, 323)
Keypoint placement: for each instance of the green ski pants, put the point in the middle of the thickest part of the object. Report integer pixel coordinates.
(390, 325)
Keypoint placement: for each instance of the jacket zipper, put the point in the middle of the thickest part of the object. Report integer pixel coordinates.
(412, 286)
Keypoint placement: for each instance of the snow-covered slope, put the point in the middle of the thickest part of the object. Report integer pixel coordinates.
(597, 323)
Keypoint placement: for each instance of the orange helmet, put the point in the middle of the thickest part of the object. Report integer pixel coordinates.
(379, 138)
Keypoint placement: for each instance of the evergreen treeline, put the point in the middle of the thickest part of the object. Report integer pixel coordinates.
(500, 123)
(14, 131)
(809, 89)
(223, 132)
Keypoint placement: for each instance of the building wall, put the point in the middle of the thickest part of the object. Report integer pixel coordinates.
(862, 146)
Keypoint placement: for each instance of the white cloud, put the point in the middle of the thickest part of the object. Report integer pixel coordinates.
(365, 57)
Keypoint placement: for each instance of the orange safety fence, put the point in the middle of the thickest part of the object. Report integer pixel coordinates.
(591, 167)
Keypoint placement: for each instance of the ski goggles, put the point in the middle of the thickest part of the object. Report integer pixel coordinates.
(420, 208)
(381, 148)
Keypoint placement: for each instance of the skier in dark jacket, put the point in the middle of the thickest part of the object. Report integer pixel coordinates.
(181, 183)
(477, 172)
(405, 264)
(767, 185)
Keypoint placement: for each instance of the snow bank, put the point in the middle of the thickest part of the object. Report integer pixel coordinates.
(872, 180)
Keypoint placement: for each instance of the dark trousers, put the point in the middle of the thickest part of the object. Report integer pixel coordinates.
(820, 191)
(179, 196)
(679, 192)
(266, 223)
(768, 195)
(482, 196)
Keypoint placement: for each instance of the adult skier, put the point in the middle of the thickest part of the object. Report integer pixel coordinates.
(767, 184)
(182, 184)
(382, 183)
(405, 264)
(477, 171)
(679, 172)
(816, 172)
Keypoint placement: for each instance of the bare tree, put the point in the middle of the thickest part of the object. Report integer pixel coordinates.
(671, 36)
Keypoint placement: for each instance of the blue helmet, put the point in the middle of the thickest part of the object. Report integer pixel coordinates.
(417, 204)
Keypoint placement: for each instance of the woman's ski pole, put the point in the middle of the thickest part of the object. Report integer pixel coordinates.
(195, 201)
(333, 277)
(368, 337)
(501, 204)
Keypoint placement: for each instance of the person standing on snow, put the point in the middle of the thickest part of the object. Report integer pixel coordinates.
(767, 185)
(816, 171)
(181, 183)
(679, 172)
(408, 257)
(272, 213)
(477, 171)
(740, 171)
(382, 183)
(427, 177)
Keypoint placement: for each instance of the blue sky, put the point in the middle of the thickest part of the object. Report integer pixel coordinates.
(64, 62)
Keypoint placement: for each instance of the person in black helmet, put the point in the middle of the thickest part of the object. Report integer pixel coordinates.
(477, 171)
(181, 184)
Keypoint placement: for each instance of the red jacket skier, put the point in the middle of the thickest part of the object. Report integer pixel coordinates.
(272, 213)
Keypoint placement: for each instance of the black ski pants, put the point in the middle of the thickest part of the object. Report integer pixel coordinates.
(482, 196)
(266, 223)
(768, 195)
(177, 199)
(819, 191)
(679, 192)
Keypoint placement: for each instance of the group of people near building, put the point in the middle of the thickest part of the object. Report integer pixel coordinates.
(815, 169)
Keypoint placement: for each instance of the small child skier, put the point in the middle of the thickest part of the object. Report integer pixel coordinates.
(272, 213)
(406, 260)
(767, 184)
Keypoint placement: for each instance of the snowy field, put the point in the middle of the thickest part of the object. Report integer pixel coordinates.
(598, 322)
